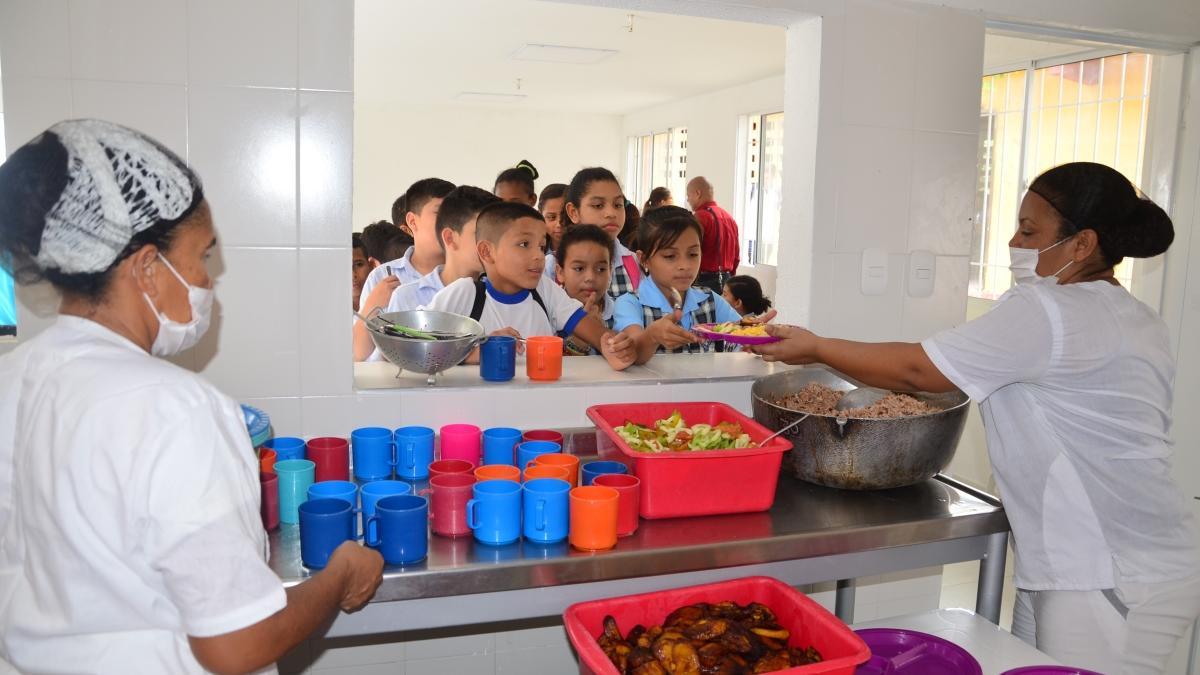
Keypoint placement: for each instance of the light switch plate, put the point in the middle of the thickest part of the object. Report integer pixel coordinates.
(921, 265)
(874, 271)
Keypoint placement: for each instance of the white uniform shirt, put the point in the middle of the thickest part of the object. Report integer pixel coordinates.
(518, 310)
(1074, 383)
(129, 509)
(401, 267)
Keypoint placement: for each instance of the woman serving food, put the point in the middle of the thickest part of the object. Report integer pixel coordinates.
(1073, 376)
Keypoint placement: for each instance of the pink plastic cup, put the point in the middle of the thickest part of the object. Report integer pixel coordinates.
(332, 457)
(448, 496)
(628, 491)
(269, 483)
(462, 441)
(447, 466)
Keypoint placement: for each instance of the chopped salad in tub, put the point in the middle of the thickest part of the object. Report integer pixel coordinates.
(674, 435)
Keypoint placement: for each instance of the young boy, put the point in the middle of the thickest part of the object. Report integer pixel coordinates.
(360, 266)
(586, 253)
(518, 299)
(422, 201)
(456, 234)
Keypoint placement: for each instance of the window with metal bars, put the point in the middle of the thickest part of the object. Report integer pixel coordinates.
(1031, 120)
(658, 160)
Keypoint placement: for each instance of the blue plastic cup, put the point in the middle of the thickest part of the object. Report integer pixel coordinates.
(593, 469)
(374, 453)
(295, 475)
(324, 525)
(545, 502)
(494, 515)
(498, 359)
(414, 452)
(372, 492)
(337, 489)
(499, 445)
(527, 451)
(401, 527)
(287, 447)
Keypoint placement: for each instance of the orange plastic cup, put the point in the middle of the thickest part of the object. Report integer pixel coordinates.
(498, 472)
(266, 460)
(546, 471)
(594, 517)
(568, 462)
(543, 358)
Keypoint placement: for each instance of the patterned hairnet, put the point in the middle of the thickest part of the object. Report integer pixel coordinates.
(119, 183)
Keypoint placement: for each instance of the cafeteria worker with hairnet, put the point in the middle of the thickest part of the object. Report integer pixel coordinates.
(130, 536)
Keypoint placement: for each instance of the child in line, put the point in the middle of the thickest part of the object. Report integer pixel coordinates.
(659, 196)
(399, 208)
(586, 252)
(550, 204)
(629, 233)
(516, 184)
(422, 200)
(374, 239)
(360, 266)
(745, 294)
(669, 249)
(517, 299)
(456, 235)
(594, 197)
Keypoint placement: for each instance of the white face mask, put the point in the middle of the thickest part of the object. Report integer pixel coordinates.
(174, 337)
(1022, 262)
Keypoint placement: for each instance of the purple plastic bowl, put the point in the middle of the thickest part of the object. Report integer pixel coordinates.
(1049, 670)
(895, 651)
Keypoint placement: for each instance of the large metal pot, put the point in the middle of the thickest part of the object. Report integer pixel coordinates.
(857, 453)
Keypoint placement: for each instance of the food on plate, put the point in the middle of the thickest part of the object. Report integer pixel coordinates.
(674, 435)
(821, 400)
(741, 328)
(724, 638)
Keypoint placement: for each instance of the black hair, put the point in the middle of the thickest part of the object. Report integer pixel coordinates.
(399, 209)
(747, 289)
(31, 182)
(375, 237)
(396, 245)
(495, 219)
(460, 206)
(356, 243)
(580, 234)
(633, 218)
(523, 174)
(1090, 196)
(551, 191)
(657, 196)
(580, 184)
(421, 192)
(662, 227)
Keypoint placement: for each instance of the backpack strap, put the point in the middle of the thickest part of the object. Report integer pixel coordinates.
(480, 298)
(541, 303)
(631, 268)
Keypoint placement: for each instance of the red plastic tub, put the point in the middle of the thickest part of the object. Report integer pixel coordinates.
(693, 483)
(809, 623)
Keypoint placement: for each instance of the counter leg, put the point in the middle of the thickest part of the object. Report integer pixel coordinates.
(844, 604)
(991, 578)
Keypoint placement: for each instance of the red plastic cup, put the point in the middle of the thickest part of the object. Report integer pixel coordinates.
(462, 441)
(448, 496)
(332, 457)
(543, 435)
(269, 484)
(446, 466)
(628, 490)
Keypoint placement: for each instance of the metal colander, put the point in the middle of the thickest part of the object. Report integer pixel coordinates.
(425, 356)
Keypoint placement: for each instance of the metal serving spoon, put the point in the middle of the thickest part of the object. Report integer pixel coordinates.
(861, 397)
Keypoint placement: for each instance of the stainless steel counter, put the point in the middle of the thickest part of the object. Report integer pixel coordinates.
(811, 534)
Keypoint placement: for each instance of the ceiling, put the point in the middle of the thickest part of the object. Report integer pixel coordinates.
(431, 51)
(1003, 50)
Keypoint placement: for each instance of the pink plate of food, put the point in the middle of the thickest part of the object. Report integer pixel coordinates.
(737, 333)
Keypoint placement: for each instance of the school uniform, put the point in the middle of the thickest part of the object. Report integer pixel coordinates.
(549, 271)
(402, 268)
(546, 310)
(648, 305)
(576, 347)
(626, 274)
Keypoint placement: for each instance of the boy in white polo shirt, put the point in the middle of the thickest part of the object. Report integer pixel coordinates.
(517, 298)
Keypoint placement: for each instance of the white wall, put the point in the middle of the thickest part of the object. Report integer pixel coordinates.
(395, 145)
(712, 123)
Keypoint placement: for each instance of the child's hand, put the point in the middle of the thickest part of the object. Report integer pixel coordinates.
(594, 305)
(381, 295)
(509, 331)
(666, 332)
(618, 349)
